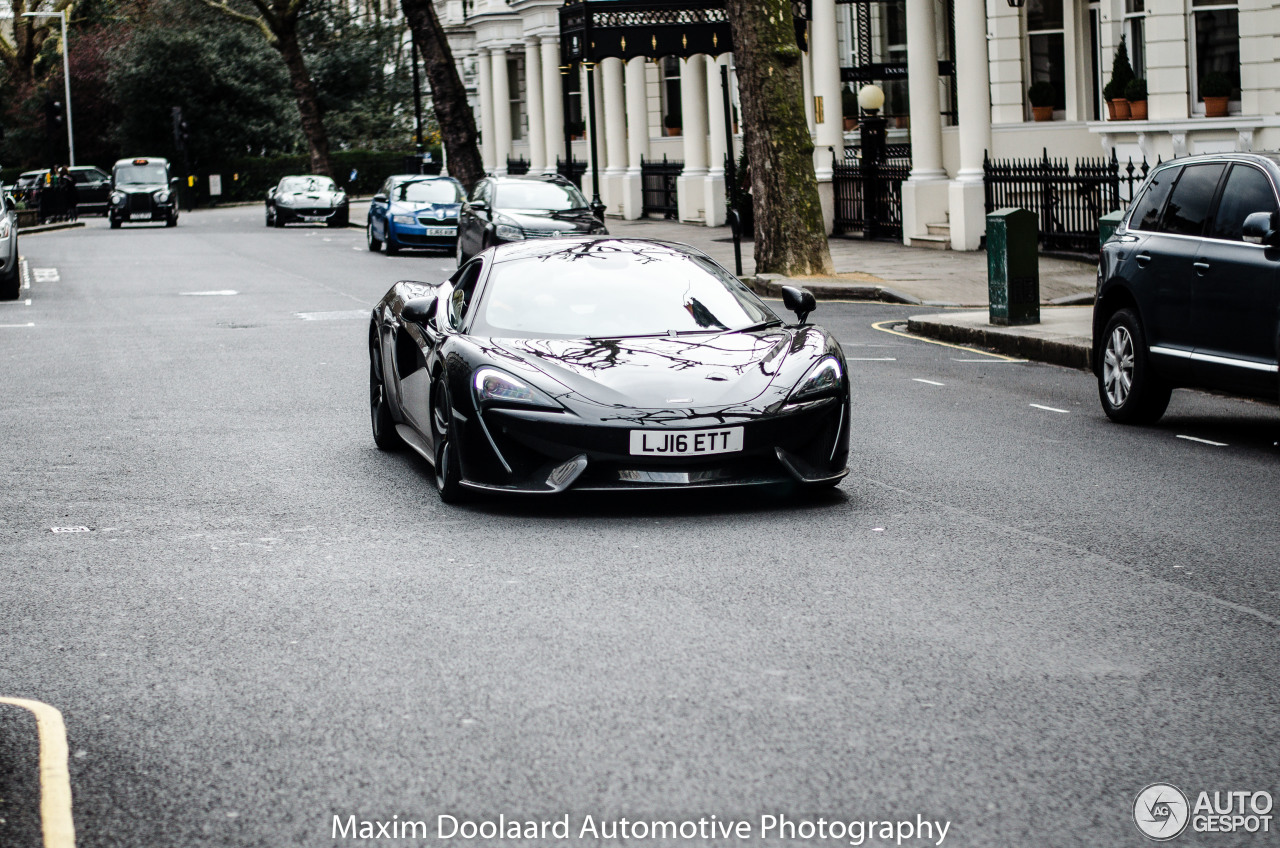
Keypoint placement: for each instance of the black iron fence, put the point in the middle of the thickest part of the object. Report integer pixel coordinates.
(572, 170)
(1068, 201)
(517, 167)
(868, 194)
(658, 187)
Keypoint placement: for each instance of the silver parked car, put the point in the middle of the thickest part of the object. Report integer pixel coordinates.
(10, 279)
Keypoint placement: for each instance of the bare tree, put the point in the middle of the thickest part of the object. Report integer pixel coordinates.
(448, 95)
(790, 237)
(277, 20)
(29, 34)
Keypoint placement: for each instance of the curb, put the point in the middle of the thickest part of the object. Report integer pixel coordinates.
(770, 285)
(49, 228)
(1070, 352)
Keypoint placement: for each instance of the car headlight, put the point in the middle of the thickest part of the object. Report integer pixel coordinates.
(6, 227)
(161, 196)
(404, 219)
(505, 228)
(339, 200)
(117, 198)
(497, 387)
(820, 380)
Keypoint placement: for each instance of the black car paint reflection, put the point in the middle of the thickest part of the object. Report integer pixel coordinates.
(542, 412)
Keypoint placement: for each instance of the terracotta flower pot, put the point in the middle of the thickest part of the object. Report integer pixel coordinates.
(1138, 110)
(1111, 110)
(1042, 113)
(850, 124)
(1215, 107)
(1122, 109)
(673, 131)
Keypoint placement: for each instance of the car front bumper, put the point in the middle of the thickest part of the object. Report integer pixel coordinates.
(309, 214)
(418, 235)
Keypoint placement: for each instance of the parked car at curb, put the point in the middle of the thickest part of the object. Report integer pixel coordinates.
(411, 210)
(1189, 286)
(308, 199)
(10, 275)
(93, 187)
(142, 191)
(507, 209)
(597, 363)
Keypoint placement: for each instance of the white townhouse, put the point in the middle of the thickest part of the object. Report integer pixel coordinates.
(955, 73)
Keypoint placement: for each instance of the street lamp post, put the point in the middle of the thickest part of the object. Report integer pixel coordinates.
(66, 75)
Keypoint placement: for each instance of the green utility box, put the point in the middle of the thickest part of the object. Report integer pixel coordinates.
(1108, 224)
(1013, 267)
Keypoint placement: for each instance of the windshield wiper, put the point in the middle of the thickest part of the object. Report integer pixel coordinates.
(772, 322)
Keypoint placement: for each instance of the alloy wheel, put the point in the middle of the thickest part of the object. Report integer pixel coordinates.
(1117, 366)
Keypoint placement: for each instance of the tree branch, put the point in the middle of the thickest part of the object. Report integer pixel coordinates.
(243, 18)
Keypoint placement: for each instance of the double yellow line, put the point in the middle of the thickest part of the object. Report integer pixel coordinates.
(55, 779)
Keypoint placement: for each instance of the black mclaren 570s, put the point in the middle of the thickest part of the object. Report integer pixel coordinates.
(605, 363)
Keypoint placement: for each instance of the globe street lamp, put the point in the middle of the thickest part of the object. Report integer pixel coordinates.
(66, 75)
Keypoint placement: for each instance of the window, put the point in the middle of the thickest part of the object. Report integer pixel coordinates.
(1135, 27)
(460, 299)
(672, 116)
(515, 74)
(1215, 25)
(1046, 51)
(1247, 191)
(1189, 203)
(1146, 212)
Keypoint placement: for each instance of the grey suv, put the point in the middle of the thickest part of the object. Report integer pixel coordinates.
(1189, 286)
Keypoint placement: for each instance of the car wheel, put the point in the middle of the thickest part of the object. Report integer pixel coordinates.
(393, 247)
(171, 220)
(277, 219)
(11, 285)
(1130, 392)
(268, 217)
(384, 426)
(448, 471)
(375, 243)
(115, 223)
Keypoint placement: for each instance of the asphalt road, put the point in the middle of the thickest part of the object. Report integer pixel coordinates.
(1012, 616)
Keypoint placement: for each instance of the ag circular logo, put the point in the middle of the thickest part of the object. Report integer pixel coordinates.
(1161, 811)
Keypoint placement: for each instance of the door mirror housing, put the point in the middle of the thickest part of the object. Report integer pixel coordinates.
(419, 311)
(379, 198)
(173, 182)
(479, 205)
(1260, 228)
(798, 300)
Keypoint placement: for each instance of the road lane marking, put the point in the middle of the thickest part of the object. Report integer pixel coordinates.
(45, 275)
(1204, 441)
(996, 362)
(219, 293)
(343, 315)
(28, 324)
(26, 302)
(930, 382)
(880, 325)
(1051, 408)
(870, 359)
(55, 780)
(26, 274)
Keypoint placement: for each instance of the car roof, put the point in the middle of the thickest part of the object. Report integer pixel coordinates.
(533, 248)
(150, 159)
(401, 178)
(1272, 159)
(304, 177)
(530, 178)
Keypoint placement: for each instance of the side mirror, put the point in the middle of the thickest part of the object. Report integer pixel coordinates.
(1259, 228)
(379, 198)
(173, 182)
(798, 300)
(419, 310)
(479, 204)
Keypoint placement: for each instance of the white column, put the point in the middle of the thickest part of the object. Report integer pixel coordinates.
(693, 108)
(806, 68)
(615, 134)
(924, 195)
(552, 101)
(588, 186)
(637, 137)
(973, 95)
(533, 97)
(714, 184)
(824, 50)
(501, 111)
(487, 147)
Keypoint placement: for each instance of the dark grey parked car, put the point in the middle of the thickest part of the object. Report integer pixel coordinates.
(10, 278)
(1189, 286)
(507, 209)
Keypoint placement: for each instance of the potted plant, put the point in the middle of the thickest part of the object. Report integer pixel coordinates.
(672, 123)
(1136, 93)
(1042, 95)
(1215, 91)
(1113, 91)
(849, 106)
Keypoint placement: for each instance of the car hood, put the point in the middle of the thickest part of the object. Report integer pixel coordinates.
(307, 198)
(540, 220)
(438, 211)
(688, 371)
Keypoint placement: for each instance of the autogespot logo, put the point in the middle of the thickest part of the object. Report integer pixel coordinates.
(1161, 811)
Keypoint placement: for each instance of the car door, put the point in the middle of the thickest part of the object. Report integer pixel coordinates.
(1236, 293)
(473, 219)
(378, 211)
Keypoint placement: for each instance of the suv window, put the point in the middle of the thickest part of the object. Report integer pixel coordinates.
(1189, 204)
(1247, 191)
(1146, 214)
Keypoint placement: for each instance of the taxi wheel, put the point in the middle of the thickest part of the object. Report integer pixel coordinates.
(171, 221)
(115, 223)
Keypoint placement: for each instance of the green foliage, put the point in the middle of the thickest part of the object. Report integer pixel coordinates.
(672, 121)
(1121, 73)
(849, 102)
(247, 178)
(1042, 93)
(1215, 84)
(1136, 90)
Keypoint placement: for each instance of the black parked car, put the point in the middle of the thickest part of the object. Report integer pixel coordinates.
(605, 364)
(506, 209)
(142, 192)
(1189, 286)
(308, 199)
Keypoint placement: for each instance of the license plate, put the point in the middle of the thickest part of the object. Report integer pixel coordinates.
(314, 219)
(442, 231)
(685, 442)
(140, 216)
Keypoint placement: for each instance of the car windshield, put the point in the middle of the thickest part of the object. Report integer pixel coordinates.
(430, 191)
(615, 289)
(552, 197)
(298, 185)
(148, 174)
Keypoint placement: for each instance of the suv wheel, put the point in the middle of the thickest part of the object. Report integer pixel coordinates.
(1130, 392)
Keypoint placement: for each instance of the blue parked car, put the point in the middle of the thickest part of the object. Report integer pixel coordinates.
(415, 211)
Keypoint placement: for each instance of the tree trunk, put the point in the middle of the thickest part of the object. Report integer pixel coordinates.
(304, 91)
(448, 95)
(790, 237)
